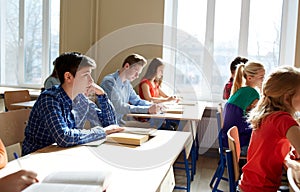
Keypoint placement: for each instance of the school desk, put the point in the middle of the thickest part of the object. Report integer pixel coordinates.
(191, 115)
(26, 104)
(146, 168)
(34, 93)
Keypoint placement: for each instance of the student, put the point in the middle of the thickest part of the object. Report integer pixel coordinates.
(51, 80)
(244, 97)
(150, 89)
(150, 85)
(14, 182)
(234, 63)
(3, 155)
(125, 100)
(275, 129)
(60, 113)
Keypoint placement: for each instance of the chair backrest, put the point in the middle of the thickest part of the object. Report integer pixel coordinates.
(291, 179)
(230, 169)
(12, 129)
(220, 139)
(220, 110)
(234, 146)
(11, 97)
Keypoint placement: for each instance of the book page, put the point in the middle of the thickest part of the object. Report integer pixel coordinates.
(84, 178)
(53, 187)
(141, 131)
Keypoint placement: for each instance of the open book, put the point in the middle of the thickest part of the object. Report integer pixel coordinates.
(141, 131)
(131, 136)
(93, 181)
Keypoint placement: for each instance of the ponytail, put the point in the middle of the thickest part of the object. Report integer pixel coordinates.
(238, 78)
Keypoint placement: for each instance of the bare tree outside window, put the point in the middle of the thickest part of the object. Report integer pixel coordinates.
(30, 30)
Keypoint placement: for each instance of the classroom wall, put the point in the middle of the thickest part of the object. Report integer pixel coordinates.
(87, 23)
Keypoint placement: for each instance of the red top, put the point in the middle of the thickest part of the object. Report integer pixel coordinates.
(267, 150)
(227, 89)
(154, 91)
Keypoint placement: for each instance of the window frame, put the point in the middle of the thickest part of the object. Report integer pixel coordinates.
(45, 56)
(287, 44)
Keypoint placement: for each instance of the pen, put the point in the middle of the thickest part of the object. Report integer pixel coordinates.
(18, 160)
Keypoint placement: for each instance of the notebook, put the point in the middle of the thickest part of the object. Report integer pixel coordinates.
(91, 181)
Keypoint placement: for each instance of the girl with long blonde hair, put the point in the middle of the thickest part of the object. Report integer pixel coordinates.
(244, 96)
(275, 129)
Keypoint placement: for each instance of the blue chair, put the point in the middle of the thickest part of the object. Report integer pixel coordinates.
(218, 175)
(230, 168)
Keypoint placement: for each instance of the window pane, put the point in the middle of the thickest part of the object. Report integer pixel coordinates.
(264, 31)
(9, 71)
(30, 30)
(226, 35)
(212, 33)
(33, 41)
(54, 36)
(191, 19)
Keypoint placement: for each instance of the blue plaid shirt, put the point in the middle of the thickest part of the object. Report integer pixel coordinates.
(55, 118)
(123, 96)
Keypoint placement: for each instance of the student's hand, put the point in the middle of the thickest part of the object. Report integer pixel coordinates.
(294, 155)
(112, 129)
(95, 89)
(17, 181)
(155, 108)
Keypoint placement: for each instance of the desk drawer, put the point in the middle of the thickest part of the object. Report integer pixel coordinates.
(168, 183)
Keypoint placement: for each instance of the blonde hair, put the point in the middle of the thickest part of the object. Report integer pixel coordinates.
(241, 73)
(278, 91)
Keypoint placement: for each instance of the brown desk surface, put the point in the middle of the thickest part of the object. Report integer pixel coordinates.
(33, 92)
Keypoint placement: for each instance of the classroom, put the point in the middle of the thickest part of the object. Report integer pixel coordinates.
(194, 41)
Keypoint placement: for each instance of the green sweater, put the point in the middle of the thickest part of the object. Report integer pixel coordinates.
(243, 97)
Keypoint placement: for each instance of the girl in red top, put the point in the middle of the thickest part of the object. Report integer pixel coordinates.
(150, 85)
(274, 131)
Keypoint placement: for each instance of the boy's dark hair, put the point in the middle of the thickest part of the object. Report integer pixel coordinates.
(236, 61)
(71, 62)
(135, 59)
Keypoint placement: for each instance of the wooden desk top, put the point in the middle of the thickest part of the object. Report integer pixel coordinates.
(137, 169)
(33, 92)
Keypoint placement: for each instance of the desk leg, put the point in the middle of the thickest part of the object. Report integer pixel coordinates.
(194, 150)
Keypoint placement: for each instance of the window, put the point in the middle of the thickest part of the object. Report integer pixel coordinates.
(29, 31)
(204, 36)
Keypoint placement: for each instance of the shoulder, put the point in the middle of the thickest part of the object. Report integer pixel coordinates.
(108, 79)
(248, 91)
(144, 81)
(280, 119)
(54, 94)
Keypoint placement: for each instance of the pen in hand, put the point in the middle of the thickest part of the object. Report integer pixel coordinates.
(20, 165)
(18, 160)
